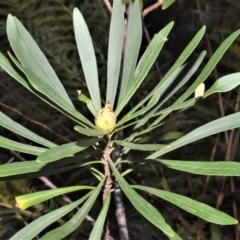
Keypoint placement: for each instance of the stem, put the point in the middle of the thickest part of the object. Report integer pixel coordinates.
(108, 184)
(107, 172)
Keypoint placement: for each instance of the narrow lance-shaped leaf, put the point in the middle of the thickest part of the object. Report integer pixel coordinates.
(20, 168)
(145, 64)
(152, 102)
(181, 59)
(17, 128)
(165, 111)
(76, 220)
(51, 94)
(35, 227)
(87, 57)
(131, 51)
(197, 208)
(21, 147)
(89, 132)
(205, 72)
(174, 83)
(31, 57)
(31, 199)
(7, 66)
(167, 3)
(96, 233)
(216, 168)
(140, 147)
(144, 207)
(224, 84)
(88, 102)
(216, 126)
(114, 50)
(65, 150)
(210, 65)
(33, 169)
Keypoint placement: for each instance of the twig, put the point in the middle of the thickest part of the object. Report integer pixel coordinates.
(108, 5)
(49, 184)
(220, 101)
(120, 209)
(108, 184)
(34, 121)
(147, 10)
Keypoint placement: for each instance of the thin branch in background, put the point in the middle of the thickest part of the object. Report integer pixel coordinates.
(149, 9)
(214, 149)
(22, 99)
(50, 185)
(118, 197)
(230, 155)
(34, 121)
(209, 45)
(144, 13)
(108, 5)
(229, 139)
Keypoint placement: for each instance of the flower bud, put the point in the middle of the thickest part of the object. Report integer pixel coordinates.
(105, 119)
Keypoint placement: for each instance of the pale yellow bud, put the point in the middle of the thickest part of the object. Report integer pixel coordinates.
(105, 119)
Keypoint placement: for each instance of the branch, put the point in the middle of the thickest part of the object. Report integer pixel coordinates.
(149, 9)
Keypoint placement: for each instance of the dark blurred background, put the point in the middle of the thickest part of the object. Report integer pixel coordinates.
(50, 24)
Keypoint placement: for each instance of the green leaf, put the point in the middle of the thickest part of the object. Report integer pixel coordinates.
(145, 63)
(224, 84)
(167, 3)
(181, 59)
(65, 150)
(171, 135)
(17, 128)
(210, 65)
(33, 169)
(20, 168)
(139, 133)
(76, 220)
(51, 94)
(89, 103)
(7, 66)
(133, 43)
(31, 199)
(197, 208)
(152, 102)
(33, 172)
(165, 111)
(87, 57)
(31, 57)
(203, 168)
(174, 83)
(114, 50)
(143, 206)
(140, 147)
(89, 132)
(20, 147)
(98, 226)
(216, 126)
(35, 227)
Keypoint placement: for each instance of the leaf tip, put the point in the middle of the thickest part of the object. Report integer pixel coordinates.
(20, 204)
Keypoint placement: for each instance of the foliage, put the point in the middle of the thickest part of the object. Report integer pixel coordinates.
(39, 78)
